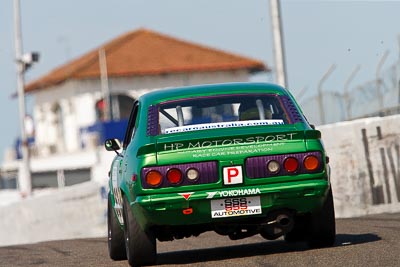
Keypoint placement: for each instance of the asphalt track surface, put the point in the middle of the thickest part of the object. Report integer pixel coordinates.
(367, 241)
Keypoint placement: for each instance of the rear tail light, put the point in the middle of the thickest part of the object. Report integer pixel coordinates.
(180, 174)
(153, 178)
(291, 164)
(192, 174)
(174, 176)
(311, 163)
(284, 164)
(273, 166)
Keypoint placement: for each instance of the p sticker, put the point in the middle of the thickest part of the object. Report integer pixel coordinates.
(233, 175)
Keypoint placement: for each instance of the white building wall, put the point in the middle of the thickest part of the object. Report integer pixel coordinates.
(77, 99)
(120, 85)
(71, 136)
(45, 134)
(84, 106)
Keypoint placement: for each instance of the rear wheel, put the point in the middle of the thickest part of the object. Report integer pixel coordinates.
(322, 228)
(140, 244)
(116, 244)
(299, 231)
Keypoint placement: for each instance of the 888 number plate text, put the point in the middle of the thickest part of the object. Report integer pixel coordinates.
(230, 207)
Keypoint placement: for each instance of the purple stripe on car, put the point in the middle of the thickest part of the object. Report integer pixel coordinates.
(291, 109)
(152, 121)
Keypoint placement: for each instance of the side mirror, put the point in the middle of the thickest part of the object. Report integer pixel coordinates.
(113, 145)
(312, 126)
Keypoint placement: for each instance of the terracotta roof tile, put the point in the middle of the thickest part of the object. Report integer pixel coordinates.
(145, 52)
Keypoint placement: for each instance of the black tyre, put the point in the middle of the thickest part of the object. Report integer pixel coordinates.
(140, 245)
(299, 231)
(116, 243)
(322, 231)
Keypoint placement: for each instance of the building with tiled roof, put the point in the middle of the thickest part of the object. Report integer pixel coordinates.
(71, 107)
(148, 53)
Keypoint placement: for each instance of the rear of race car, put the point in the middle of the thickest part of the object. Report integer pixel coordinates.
(238, 177)
(233, 188)
(239, 160)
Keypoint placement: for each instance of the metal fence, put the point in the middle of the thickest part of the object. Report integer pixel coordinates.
(378, 97)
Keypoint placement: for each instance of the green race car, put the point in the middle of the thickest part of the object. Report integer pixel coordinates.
(239, 159)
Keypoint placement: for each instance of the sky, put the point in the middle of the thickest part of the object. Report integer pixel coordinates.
(317, 34)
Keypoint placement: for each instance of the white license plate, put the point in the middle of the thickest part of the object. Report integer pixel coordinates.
(238, 206)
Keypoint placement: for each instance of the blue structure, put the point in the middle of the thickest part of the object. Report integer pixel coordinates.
(106, 130)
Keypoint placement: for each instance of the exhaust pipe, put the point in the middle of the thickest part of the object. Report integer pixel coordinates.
(278, 224)
(283, 221)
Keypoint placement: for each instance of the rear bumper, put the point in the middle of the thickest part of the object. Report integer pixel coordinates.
(188, 208)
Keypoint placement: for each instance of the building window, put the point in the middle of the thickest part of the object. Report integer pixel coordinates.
(121, 106)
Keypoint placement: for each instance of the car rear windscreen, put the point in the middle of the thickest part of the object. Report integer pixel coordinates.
(204, 113)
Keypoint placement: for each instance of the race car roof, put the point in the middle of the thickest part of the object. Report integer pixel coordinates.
(163, 95)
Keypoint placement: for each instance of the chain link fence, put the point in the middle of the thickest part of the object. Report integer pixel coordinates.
(379, 97)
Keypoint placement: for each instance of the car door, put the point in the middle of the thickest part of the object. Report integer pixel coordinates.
(124, 178)
(119, 166)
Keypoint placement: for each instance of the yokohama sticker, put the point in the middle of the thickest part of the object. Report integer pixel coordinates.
(235, 193)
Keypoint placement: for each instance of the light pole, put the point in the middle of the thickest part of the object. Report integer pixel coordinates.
(279, 48)
(105, 88)
(23, 62)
